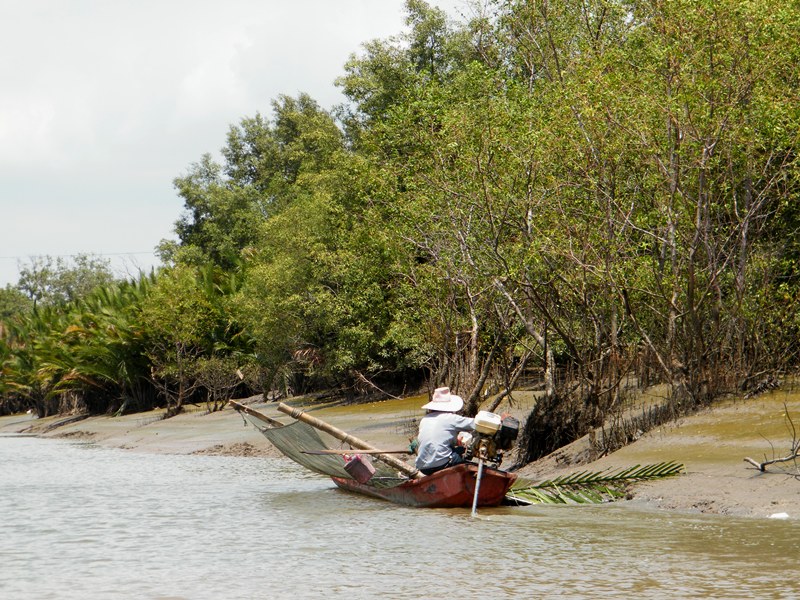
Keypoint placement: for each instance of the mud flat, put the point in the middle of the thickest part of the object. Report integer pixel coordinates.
(712, 445)
(194, 431)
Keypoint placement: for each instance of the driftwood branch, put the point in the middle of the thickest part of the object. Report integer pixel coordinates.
(762, 466)
(794, 452)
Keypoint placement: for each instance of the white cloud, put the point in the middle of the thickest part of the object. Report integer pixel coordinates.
(103, 103)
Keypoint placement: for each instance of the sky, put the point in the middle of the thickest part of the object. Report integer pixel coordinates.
(103, 103)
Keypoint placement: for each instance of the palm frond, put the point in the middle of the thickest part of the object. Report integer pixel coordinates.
(588, 487)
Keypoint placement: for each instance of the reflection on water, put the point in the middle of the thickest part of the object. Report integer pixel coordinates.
(78, 521)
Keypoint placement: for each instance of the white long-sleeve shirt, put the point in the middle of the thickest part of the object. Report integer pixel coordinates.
(437, 435)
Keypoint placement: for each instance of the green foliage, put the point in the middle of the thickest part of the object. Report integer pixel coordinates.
(219, 221)
(388, 71)
(84, 355)
(13, 302)
(189, 333)
(108, 352)
(322, 301)
(51, 281)
(265, 164)
(178, 311)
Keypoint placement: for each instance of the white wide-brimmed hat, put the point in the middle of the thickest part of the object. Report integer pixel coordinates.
(444, 401)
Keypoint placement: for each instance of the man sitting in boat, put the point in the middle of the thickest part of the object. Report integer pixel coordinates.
(438, 431)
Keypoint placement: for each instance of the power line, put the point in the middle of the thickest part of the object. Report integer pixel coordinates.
(27, 256)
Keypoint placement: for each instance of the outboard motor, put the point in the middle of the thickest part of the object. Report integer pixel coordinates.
(493, 435)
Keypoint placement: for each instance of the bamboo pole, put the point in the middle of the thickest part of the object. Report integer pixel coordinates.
(360, 450)
(393, 462)
(254, 413)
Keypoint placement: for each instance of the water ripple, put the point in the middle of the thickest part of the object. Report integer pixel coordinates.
(77, 521)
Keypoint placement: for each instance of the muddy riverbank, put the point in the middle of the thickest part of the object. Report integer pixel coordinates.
(712, 445)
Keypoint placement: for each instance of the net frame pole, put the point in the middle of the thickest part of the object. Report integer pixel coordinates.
(345, 437)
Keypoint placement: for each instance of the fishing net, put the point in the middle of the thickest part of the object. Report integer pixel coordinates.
(297, 439)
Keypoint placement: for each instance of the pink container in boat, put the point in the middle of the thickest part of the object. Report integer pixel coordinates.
(361, 470)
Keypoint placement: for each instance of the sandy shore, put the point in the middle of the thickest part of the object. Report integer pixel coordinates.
(712, 445)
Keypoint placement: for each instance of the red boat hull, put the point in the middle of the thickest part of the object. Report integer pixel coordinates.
(449, 488)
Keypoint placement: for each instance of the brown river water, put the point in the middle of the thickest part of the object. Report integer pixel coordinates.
(79, 521)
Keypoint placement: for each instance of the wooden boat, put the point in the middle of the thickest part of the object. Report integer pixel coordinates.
(453, 487)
